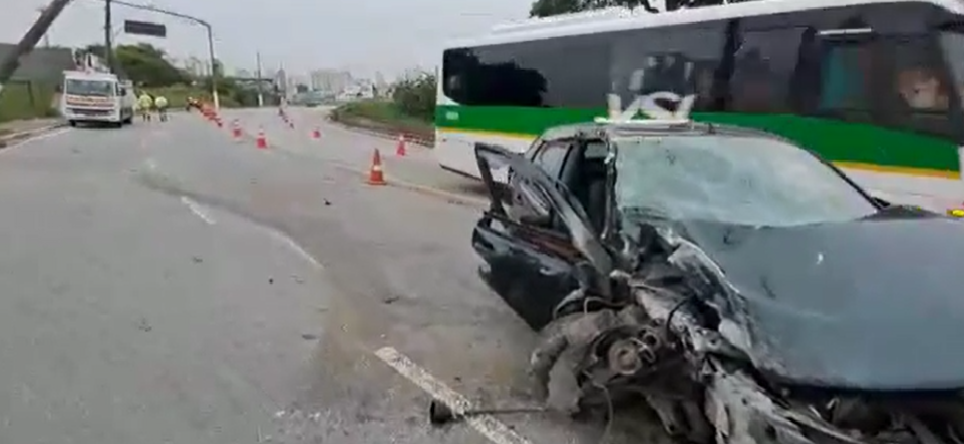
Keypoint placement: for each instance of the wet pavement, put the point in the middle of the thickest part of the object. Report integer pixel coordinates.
(167, 283)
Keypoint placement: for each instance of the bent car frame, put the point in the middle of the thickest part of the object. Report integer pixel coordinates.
(745, 289)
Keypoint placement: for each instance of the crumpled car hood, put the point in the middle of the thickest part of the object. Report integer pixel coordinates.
(873, 304)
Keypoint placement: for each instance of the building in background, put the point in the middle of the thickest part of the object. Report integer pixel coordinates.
(281, 82)
(298, 81)
(195, 67)
(330, 81)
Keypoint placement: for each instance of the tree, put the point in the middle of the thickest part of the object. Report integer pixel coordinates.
(415, 95)
(546, 8)
(144, 64)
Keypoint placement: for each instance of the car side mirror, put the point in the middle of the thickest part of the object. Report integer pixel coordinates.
(536, 220)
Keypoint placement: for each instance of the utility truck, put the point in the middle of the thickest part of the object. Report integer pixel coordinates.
(97, 97)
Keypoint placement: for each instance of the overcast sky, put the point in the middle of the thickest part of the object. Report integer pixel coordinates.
(361, 35)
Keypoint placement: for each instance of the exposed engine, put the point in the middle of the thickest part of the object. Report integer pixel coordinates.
(660, 344)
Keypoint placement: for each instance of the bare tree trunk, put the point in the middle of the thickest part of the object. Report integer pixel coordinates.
(30, 39)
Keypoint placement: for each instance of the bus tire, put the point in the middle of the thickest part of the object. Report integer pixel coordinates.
(72, 122)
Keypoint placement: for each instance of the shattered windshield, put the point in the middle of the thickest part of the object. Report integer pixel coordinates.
(85, 87)
(747, 181)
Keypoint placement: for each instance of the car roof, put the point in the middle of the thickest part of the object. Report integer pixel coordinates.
(637, 128)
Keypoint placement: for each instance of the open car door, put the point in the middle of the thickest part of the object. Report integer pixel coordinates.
(531, 269)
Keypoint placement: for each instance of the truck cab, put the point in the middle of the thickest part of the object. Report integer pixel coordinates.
(97, 97)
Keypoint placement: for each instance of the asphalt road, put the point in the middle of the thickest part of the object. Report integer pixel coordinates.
(165, 283)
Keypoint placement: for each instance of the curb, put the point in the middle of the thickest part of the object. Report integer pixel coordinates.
(7, 139)
(384, 134)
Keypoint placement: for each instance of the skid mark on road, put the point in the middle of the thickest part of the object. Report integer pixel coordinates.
(198, 210)
(490, 427)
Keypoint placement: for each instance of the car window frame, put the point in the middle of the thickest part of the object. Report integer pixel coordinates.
(565, 144)
(536, 197)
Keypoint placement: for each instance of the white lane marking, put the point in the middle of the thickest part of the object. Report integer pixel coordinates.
(295, 247)
(493, 429)
(151, 164)
(197, 210)
(39, 137)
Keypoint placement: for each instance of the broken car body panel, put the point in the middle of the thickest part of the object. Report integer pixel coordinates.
(868, 304)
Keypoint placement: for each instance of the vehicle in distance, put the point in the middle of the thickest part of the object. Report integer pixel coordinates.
(97, 97)
(873, 86)
(746, 289)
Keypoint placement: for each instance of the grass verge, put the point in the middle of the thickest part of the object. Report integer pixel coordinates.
(26, 100)
(383, 117)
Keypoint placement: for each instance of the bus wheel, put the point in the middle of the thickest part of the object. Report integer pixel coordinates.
(72, 122)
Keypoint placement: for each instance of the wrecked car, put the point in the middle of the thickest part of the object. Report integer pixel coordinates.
(743, 288)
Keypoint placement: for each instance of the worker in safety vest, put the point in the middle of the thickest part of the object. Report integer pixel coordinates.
(160, 104)
(144, 104)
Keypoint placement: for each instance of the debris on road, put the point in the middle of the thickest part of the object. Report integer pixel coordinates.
(391, 299)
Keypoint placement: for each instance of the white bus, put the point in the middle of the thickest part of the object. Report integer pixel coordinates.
(872, 85)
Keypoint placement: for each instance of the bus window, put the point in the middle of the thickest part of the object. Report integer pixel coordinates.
(953, 45)
(921, 89)
(764, 64)
(844, 75)
(920, 94)
(667, 59)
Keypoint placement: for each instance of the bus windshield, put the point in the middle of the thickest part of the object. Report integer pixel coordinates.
(740, 181)
(86, 87)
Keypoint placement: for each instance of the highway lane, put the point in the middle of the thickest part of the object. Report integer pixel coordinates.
(166, 283)
(418, 168)
(125, 316)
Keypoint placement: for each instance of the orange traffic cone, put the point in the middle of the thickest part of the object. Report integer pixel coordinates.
(316, 134)
(236, 129)
(400, 148)
(262, 141)
(375, 175)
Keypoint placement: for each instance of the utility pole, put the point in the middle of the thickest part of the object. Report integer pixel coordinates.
(260, 93)
(46, 35)
(10, 64)
(108, 38)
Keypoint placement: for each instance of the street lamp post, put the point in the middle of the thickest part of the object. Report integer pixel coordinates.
(210, 34)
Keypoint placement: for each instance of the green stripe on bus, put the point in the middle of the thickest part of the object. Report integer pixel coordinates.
(842, 142)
